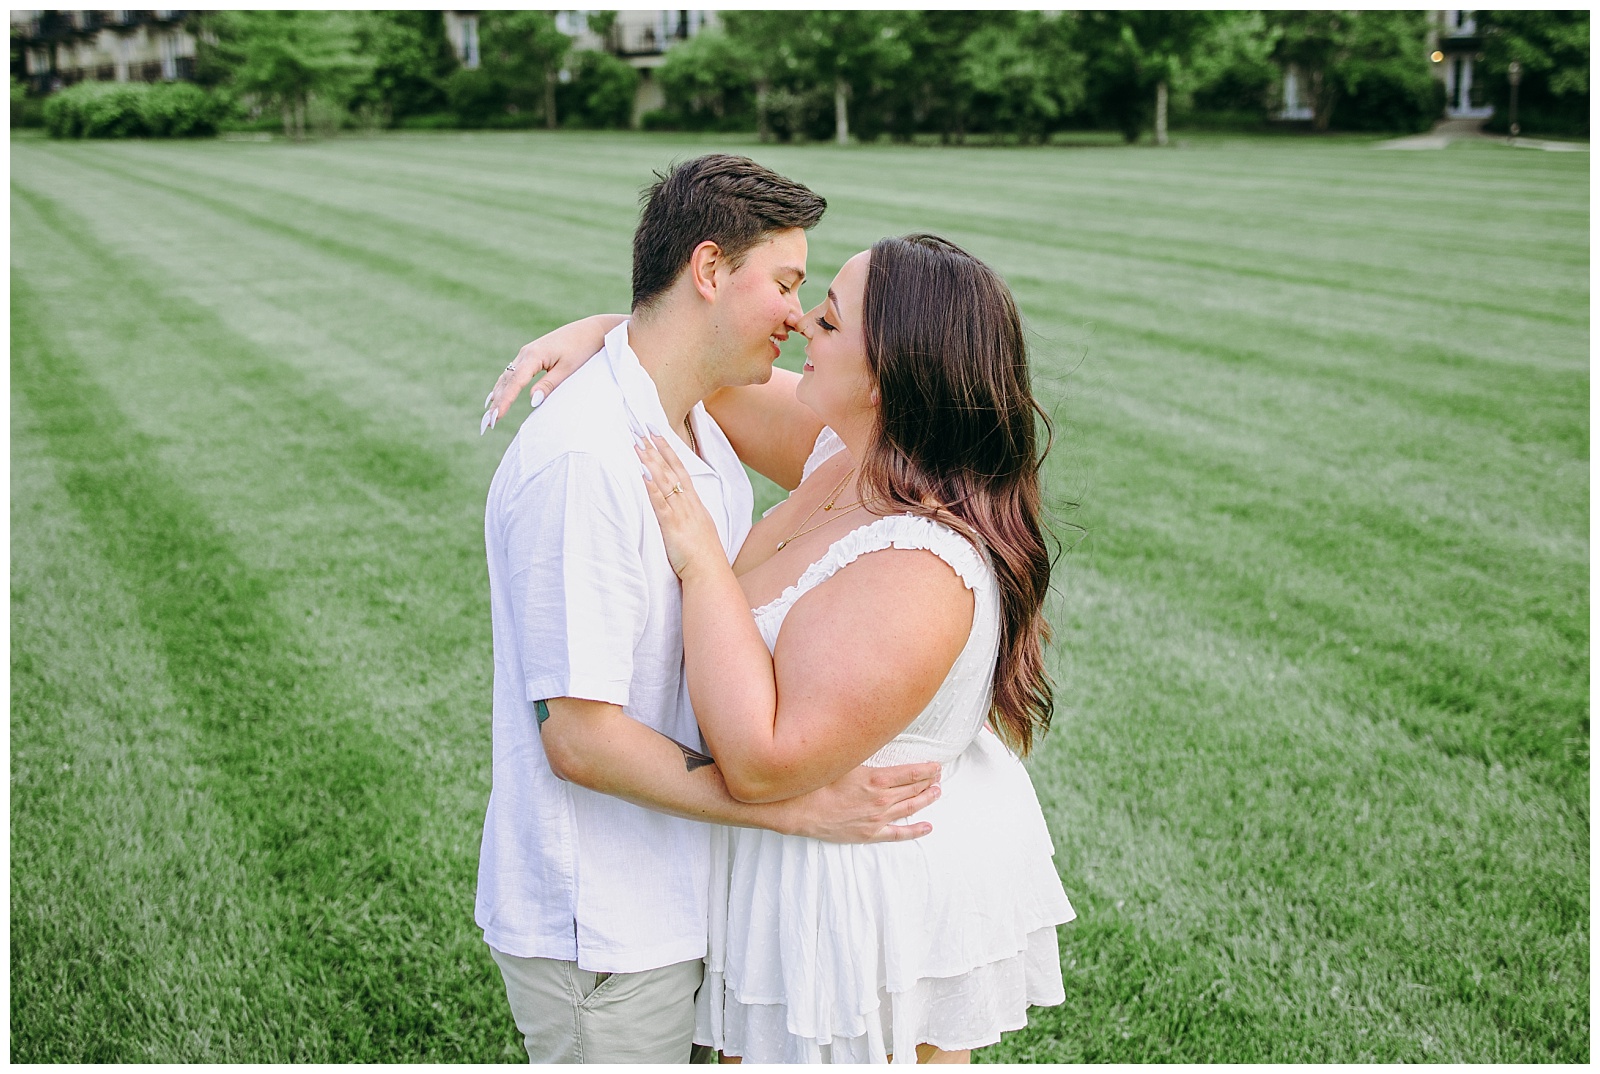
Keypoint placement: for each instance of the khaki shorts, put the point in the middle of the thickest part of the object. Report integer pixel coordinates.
(568, 1015)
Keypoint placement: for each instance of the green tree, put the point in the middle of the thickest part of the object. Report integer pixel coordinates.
(1318, 43)
(837, 53)
(412, 59)
(1553, 49)
(283, 58)
(1121, 84)
(524, 53)
(1019, 73)
(599, 91)
(709, 82)
(1232, 69)
(1382, 81)
(766, 42)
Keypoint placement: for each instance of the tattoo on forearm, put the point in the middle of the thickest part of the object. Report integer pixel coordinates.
(693, 760)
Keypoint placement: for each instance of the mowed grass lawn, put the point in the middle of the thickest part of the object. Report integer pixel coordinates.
(1319, 774)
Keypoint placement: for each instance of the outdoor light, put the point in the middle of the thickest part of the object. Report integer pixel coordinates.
(1437, 57)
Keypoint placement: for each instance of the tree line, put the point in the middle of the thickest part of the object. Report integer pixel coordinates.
(863, 75)
(1028, 74)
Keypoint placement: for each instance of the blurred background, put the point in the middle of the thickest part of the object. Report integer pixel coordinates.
(898, 75)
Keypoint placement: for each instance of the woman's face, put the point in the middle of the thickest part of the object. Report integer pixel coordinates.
(835, 381)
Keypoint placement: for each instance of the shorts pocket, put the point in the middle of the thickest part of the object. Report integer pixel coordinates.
(597, 989)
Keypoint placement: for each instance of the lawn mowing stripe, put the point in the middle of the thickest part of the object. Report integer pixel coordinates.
(148, 960)
(407, 271)
(340, 193)
(1137, 205)
(1259, 808)
(332, 809)
(1116, 249)
(531, 200)
(420, 375)
(444, 188)
(404, 250)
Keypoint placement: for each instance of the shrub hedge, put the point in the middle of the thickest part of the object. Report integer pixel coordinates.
(132, 110)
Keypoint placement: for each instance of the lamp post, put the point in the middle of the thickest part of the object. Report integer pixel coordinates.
(1514, 72)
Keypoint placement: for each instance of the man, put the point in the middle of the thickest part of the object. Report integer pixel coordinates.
(592, 885)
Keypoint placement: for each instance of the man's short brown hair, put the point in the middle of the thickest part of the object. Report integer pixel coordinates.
(731, 201)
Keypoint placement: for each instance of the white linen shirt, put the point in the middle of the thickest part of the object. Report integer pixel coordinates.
(584, 604)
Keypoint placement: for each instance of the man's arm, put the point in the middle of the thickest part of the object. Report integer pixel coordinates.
(598, 746)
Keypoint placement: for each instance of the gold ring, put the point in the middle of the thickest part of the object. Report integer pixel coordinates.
(673, 491)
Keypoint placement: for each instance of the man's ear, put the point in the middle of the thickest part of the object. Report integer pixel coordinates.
(704, 262)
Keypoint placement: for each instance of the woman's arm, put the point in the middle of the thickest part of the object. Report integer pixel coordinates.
(558, 354)
(861, 655)
(771, 431)
(598, 746)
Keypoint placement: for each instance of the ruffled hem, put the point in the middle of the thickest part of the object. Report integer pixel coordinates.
(970, 1010)
(894, 531)
(937, 940)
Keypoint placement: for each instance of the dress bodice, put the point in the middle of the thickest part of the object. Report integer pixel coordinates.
(961, 705)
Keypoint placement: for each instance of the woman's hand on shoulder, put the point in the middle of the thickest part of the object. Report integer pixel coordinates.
(557, 354)
(687, 530)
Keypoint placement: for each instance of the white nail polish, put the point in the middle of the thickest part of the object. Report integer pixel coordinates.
(487, 400)
(535, 399)
(645, 470)
(483, 426)
(493, 417)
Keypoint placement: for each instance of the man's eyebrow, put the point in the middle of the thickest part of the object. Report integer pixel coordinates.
(791, 270)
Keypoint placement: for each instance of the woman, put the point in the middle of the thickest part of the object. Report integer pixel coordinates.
(897, 600)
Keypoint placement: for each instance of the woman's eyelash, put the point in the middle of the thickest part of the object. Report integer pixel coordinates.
(823, 321)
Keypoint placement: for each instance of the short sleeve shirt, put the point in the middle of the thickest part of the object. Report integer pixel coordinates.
(584, 604)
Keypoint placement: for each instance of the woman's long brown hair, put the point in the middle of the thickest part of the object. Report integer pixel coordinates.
(956, 440)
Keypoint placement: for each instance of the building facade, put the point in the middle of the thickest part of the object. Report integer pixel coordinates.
(641, 38)
(52, 49)
(1456, 49)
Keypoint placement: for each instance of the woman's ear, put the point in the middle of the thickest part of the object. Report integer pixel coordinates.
(873, 397)
(703, 264)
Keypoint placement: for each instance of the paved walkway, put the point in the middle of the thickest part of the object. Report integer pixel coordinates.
(1470, 130)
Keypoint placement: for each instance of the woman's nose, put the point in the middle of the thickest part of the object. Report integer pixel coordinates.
(805, 325)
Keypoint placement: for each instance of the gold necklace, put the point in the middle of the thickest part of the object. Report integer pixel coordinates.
(826, 505)
(693, 446)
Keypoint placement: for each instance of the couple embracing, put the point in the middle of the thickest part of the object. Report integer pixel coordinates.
(756, 788)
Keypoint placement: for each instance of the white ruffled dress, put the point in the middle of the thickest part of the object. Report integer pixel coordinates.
(822, 952)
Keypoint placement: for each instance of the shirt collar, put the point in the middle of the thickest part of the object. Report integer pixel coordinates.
(643, 401)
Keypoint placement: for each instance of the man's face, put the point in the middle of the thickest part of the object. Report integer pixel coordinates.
(760, 305)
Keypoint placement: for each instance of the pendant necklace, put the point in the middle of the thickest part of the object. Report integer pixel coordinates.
(826, 505)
